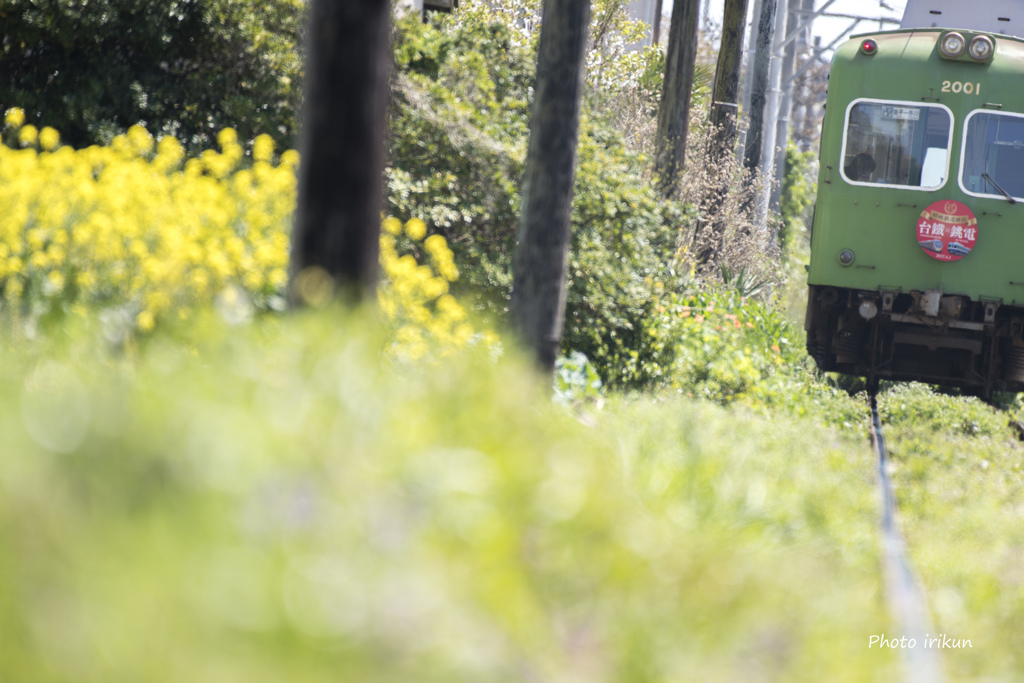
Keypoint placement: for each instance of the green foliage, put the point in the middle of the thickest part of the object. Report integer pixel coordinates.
(798, 192)
(801, 391)
(458, 132)
(958, 470)
(958, 473)
(458, 137)
(186, 68)
(718, 344)
(268, 502)
(576, 379)
(624, 242)
(459, 145)
(919, 408)
(745, 284)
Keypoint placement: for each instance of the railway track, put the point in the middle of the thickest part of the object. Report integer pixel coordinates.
(903, 593)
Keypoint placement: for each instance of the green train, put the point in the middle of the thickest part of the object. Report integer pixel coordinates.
(917, 241)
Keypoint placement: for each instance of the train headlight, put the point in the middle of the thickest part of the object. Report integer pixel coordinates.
(846, 257)
(953, 45)
(981, 48)
(869, 47)
(868, 309)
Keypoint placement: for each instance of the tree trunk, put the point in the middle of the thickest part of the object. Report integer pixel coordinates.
(724, 111)
(538, 288)
(759, 85)
(337, 224)
(674, 112)
(725, 100)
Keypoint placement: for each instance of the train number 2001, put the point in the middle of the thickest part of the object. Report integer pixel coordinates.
(958, 87)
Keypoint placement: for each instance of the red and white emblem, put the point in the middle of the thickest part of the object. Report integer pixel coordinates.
(947, 230)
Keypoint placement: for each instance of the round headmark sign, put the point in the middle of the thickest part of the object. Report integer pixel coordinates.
(947, 230)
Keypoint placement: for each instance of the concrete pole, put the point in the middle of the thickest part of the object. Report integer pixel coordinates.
(656, 27)
(749, 55)
(774, 89)
(797, 113)
(772, 108)
(337, 217)
(758, 116)
(785, 109)
(674, 108)
(537, 307)
(808, 9)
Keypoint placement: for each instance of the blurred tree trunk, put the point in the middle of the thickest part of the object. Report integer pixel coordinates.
(724, 113)
(674, 111)
(335, 244)
(538, 289)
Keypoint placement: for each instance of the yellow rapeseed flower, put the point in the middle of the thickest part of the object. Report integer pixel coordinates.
(227, 138)
(127, 227)
(145, 320)
(416, 229)
(140, 140)
(263, 148)
(169, 153)
(27, 135)
(14, 117)
(49, 138)
(54, 283)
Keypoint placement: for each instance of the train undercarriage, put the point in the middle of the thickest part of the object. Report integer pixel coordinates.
(927, 336)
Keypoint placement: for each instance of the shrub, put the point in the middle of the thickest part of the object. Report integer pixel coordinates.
(719, 345)
(186, 68)
(458, 140)
(798, 192)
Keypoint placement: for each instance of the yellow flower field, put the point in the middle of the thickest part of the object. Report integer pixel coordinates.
(138, 227)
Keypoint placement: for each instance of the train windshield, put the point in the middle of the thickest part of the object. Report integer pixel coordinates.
(994, 155)
(898, 144)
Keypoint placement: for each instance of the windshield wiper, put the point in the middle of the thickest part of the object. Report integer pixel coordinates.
(1006, 194)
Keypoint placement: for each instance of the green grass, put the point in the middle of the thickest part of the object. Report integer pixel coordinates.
(960, 491)
(275, 502)
(272, 503)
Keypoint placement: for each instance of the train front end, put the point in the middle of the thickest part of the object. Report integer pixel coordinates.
(917, 241)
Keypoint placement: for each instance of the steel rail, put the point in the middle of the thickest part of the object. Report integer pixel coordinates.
(903, 593)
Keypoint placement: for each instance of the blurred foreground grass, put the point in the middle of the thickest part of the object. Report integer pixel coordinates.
(960, 490)
(274, 502)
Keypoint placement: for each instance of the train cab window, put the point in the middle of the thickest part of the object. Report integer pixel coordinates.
(993, 155)
(897, 144)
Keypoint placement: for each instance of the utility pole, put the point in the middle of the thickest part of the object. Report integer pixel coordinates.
(723, 117)
(785, 108)
(336, 240)
(759, 86)
(537, 307)
(674, 109)
(750, 56)
(798, 113)
(656, 27)
(772, 101)
(725, 105)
